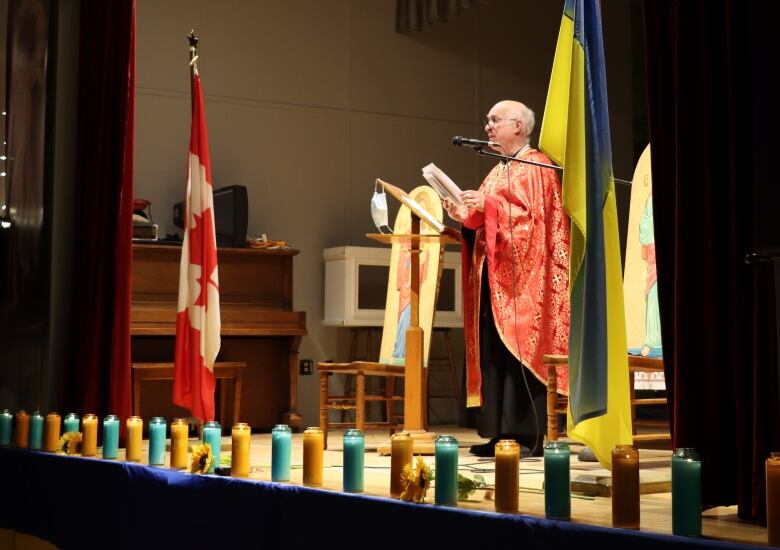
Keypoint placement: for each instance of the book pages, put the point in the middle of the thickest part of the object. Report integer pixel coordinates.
(442, 184)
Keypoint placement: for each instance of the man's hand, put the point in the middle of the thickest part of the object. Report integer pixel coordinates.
(474, 200)
(457, 214)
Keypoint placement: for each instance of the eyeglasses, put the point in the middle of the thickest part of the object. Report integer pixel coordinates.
(494, 121)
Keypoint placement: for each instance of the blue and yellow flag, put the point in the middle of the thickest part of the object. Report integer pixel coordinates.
(575, 134)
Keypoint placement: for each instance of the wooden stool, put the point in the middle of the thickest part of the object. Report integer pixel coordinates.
(372, 337)
(358, 369)
(558, 404)
(164, 371)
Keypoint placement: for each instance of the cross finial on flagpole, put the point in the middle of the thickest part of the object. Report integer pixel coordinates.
(193, 40)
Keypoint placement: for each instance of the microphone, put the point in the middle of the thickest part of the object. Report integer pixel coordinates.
(459, 141)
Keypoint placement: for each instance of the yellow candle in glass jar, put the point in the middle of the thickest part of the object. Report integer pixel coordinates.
(180, 431)
(51, 432)
(239, 462)
(507, 475)
(313, 447)
(89, 429)
(134, 437)
(401, 447)
(21, 429)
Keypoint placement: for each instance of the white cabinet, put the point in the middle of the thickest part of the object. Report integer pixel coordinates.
(356, 287)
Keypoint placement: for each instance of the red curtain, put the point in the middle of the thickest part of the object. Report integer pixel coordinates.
(101, 297)
(706, 94)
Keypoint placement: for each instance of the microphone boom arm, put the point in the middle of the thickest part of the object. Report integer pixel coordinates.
(484, 153)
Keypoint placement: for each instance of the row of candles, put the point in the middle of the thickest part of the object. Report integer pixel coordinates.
(35, 432)
(39, 433)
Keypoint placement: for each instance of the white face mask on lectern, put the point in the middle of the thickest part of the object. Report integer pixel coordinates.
(379, 211)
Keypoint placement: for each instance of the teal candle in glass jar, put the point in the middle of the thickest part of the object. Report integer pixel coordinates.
(557, 487)
(110, 436)
(281, 451)
(446, 470)
(354, 450)
(212, 434)
(36, 431)
(6, 421)
(686, 493)
(157, 428)
(71, 423)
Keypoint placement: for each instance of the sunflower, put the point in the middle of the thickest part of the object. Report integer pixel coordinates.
(70, 444)
(201, 459)
(418, 480)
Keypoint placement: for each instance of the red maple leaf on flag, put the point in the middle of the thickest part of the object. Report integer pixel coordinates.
(205, 255)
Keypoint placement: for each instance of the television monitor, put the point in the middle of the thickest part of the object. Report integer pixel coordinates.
(231, 212)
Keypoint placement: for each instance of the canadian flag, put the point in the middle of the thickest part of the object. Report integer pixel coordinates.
(197, 318)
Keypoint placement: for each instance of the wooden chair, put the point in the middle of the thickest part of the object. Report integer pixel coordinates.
(390, 365)
(558, 404)
(164, 371)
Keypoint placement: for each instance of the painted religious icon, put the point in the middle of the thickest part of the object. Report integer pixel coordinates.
(640, 280)
(399, 291)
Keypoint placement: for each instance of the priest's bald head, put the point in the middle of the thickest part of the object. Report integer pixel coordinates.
(510, 124)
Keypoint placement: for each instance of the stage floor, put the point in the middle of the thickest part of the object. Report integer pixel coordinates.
(591, 509)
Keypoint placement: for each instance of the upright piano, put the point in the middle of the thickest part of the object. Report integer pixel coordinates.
(259, 327)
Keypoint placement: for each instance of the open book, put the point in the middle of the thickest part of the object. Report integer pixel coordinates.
(442, 184)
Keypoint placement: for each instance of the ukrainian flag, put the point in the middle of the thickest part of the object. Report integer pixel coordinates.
(575, 134)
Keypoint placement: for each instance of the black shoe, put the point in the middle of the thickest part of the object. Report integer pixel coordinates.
(484, 450)
(531, 446)
(526, 452)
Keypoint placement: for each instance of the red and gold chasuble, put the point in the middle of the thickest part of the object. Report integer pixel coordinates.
(523, 216)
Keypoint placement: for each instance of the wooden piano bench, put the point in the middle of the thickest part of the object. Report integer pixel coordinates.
(164, 371)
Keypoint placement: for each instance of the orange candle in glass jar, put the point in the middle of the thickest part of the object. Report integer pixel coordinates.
(21, 429)
(180, 431)
(507, 475)
(133, 439)
(625, 487)
(89, 429)
(313, 447)
(773, 499)
(51, 432)
(401, 447)
(239, 462)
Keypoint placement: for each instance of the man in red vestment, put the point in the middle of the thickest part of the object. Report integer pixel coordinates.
(515, 285)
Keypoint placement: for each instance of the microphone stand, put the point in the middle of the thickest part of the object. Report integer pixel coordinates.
(480, 151)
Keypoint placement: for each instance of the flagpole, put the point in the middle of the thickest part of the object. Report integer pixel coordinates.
(193, 40)
(506, 158)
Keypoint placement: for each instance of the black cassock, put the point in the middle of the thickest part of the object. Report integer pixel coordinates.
(506, 407)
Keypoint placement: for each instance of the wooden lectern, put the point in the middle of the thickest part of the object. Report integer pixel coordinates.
(414, 379)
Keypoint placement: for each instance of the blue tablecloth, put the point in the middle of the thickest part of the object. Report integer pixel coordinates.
(86, 503)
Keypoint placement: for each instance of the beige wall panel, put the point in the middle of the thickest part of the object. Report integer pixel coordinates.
(427, 74)
(162, 137)
(161, 43)
(516, 53)
(395, 149)
(294, 165)
(288, 52)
